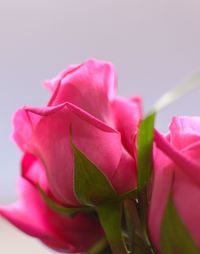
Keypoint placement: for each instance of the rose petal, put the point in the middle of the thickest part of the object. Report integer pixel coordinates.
(186, 195)
(162, 182)
(62, 233)
(33, 170)
(127, 114)
(184, 131)
(50, 142)
(89, 86)
(25, 214)
(125, 177)
(53, 84)
(186, 163)
(21, 131)
(185, 192)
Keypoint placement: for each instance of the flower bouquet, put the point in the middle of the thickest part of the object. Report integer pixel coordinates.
(97, 177)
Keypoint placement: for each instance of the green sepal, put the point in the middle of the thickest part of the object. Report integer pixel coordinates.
(175, 238)
(110, 214)
(91, 186)
(145, 144)
(70, 211)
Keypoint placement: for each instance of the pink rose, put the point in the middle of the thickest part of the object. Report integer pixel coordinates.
(178, 173)
(104, 128)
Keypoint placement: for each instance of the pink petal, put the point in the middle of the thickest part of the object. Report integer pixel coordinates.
(184, 131)
(32, 216)
(127, 114)
(185, 188)
(125, 177)
(25, 214)
(21, 130)
(50, 143)
(162, 182)
(89, 86)
(33, 171)
(186, 163)
(185, 192)
(186, 195)
(53, 84)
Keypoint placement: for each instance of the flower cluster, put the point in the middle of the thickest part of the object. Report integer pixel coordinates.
(96, 177)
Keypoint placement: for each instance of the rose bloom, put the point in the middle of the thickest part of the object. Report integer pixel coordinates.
(104, 128)
(177, 171)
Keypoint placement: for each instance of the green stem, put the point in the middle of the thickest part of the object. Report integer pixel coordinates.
(133, 224)
(143, 209)
(110, 219)
(137, 241)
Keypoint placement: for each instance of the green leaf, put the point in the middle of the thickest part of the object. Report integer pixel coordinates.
(177, 92)
(145, 143)
(61, 209)
(110, 218)
(175, 238)
(91, 186)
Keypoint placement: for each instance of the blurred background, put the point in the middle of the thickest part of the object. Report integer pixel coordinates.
(154, 45)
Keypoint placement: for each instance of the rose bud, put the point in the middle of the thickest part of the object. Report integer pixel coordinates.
(176, 175)
(104, 127)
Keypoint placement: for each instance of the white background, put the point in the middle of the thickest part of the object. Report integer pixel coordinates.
(154, 44)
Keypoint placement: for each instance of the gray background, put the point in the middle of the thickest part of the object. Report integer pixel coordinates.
(154, 44)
